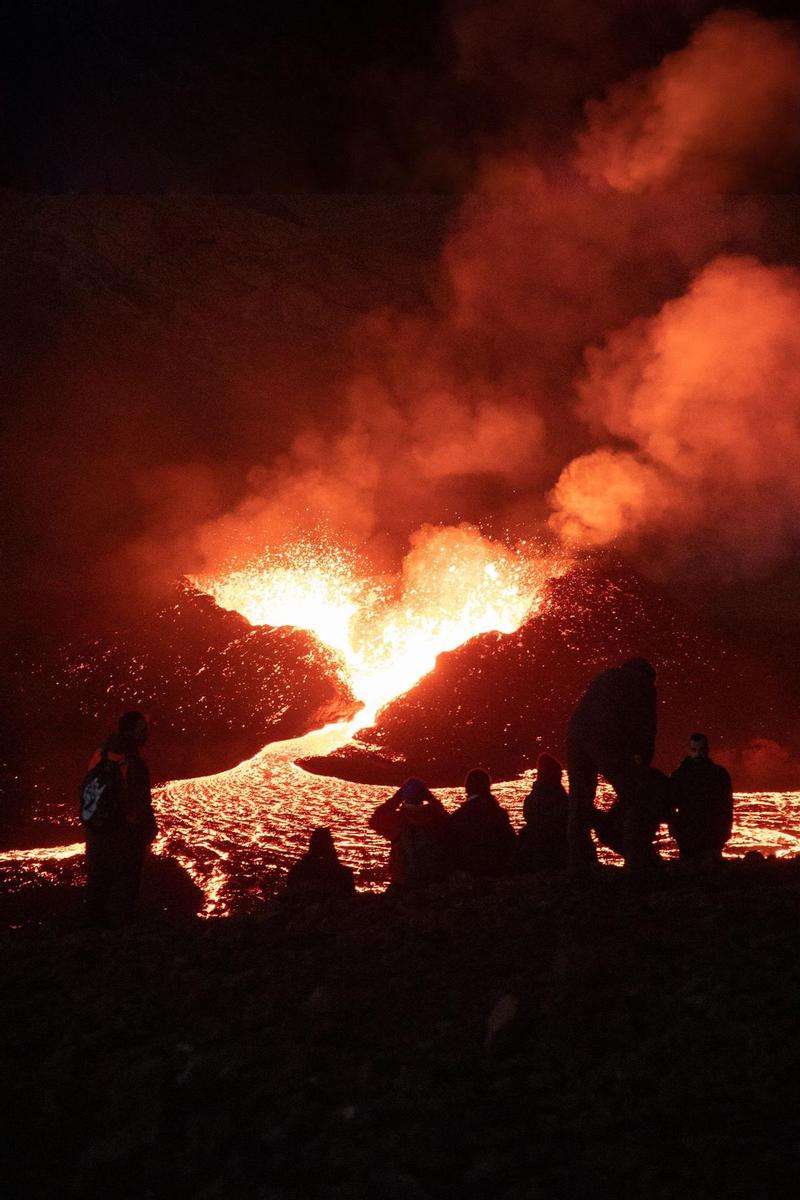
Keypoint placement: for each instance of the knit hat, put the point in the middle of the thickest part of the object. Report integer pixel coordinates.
(414, 791)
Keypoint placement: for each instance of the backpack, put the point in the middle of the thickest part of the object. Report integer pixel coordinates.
(102, 796)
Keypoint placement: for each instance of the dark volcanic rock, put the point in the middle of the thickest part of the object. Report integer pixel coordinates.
(501, 698)
(512, 1040)
(215, 688)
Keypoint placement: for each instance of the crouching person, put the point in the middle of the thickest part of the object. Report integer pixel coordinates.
(701, 800)
(118, 820)
(413, 820)
(319, 875)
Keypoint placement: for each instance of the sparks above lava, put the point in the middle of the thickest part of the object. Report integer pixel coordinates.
(455, 584)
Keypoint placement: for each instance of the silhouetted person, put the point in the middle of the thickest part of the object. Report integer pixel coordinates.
(480, 837)
(543, 837)
(611, 733)
(701, 799)
(114, 856)
(413, 820)
(633, 820)
(319, 875)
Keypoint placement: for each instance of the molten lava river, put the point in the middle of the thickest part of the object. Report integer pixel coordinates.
(236, 832)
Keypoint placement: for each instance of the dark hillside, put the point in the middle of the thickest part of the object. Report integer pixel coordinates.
(514, 1041)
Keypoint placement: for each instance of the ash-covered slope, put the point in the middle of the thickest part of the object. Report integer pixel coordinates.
(501, 698)
(215, 688)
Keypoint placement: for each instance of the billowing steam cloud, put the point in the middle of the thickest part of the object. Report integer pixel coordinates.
(238, 415)
(707, 394)
(720, 114)
(423, 437)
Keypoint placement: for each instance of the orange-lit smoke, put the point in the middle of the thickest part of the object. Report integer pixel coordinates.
(763, 765)
(454, 585)
(704, 401)
(467, 410)
(720, 114)
(418, 430)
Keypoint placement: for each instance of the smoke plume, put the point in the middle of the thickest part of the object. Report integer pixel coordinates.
(223, 376)
(664, 435)
(720, 114)
(703, 401)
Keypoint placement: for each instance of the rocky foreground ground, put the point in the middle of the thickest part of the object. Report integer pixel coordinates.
(515, 1039)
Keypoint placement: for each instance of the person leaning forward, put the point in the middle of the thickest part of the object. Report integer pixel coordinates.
(114, 857)
(611, 733)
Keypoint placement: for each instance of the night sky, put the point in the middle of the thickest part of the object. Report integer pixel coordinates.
(143, 96)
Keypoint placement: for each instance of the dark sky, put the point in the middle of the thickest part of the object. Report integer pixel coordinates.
(147, 95)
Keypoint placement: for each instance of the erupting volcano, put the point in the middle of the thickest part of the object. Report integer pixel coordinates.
(454, 585)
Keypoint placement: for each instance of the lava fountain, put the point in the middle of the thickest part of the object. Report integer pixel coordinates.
(455, 584)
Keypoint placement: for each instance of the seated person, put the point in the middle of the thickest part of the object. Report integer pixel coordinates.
(413, 821)
(480, 837)
(701, 802)
(543, 837)
(319, 875)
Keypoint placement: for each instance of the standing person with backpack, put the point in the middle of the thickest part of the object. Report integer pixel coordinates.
(117, 816)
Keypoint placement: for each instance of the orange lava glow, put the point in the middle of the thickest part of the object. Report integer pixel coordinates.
(455, 584)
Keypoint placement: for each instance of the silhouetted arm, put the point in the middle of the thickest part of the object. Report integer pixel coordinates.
(386, 818)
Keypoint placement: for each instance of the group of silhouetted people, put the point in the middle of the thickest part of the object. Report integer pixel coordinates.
(611, 733)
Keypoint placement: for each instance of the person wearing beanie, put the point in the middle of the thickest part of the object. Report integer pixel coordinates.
(413, 821)
(543, 837)
(480, 837)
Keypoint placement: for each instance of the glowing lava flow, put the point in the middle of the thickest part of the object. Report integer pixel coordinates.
(455, 584)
